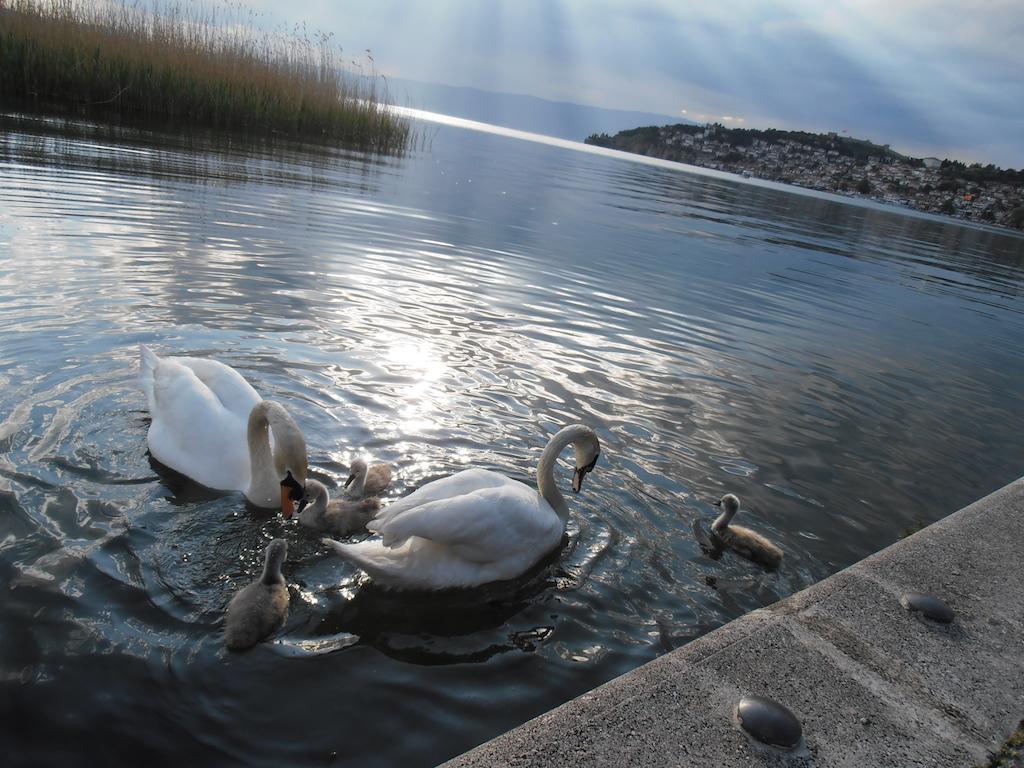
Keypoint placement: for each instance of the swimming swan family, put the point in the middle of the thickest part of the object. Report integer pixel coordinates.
(470, 528)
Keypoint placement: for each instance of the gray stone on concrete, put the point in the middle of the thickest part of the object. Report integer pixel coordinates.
(872, 683)
(769, 722)
(927, 605)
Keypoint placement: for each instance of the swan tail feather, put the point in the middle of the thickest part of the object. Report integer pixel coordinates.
(352, 552)
(369, 556)
(337, 546)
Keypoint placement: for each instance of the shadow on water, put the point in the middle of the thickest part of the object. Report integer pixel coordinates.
(444, 627)
(184, 491)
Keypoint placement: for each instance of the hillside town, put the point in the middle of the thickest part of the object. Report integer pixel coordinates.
(839, 164)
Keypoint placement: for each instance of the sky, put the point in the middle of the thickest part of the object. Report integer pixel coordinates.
(939, 78)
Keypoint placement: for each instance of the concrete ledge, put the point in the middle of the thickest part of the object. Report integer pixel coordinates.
(873, 684)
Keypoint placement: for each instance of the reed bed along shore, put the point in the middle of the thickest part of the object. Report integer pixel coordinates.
(189, 64)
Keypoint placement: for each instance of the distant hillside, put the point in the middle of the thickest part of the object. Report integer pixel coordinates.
(838, 164)
(652, 140)
(526, 113)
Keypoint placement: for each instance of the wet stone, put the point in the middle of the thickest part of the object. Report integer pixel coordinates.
(928, 606)
(769, 722)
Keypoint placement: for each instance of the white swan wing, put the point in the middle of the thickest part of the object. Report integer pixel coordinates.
(449, 487)
(484, 525)
(227, 385)
(193, 430)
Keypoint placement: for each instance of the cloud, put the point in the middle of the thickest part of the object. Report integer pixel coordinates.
(934, 74)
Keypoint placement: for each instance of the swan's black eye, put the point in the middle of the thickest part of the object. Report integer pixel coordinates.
(591, 465)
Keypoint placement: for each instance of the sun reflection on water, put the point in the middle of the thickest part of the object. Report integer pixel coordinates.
(420, 397)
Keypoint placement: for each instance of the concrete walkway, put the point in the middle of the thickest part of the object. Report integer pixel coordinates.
(872, 684)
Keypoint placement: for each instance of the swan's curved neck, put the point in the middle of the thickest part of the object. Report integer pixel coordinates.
(723, 520)
(358, 487)
(546, 466)
(316, 509)
(262, 474)
(267, 467)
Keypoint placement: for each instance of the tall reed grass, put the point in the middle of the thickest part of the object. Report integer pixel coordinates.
(189, 64)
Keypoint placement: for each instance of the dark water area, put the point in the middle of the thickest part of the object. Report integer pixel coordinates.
(849, 371)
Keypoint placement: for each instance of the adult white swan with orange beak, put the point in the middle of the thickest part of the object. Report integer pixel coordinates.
(209, 424)
(473, 527)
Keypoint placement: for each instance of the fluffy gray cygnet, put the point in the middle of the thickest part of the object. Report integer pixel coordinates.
(367, 480)
(743, 541)
(260, 608)
(338, 517)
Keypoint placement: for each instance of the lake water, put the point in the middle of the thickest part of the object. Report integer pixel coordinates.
(850, 371)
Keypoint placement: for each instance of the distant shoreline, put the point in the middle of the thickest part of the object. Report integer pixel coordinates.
(836, 164)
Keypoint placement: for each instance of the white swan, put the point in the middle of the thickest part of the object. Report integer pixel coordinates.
(743, 541)
(208, 423)
(472, 527)
(367, 480)
(339, 517)
(261, 607)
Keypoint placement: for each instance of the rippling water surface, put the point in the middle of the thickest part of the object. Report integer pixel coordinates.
(851, 372)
